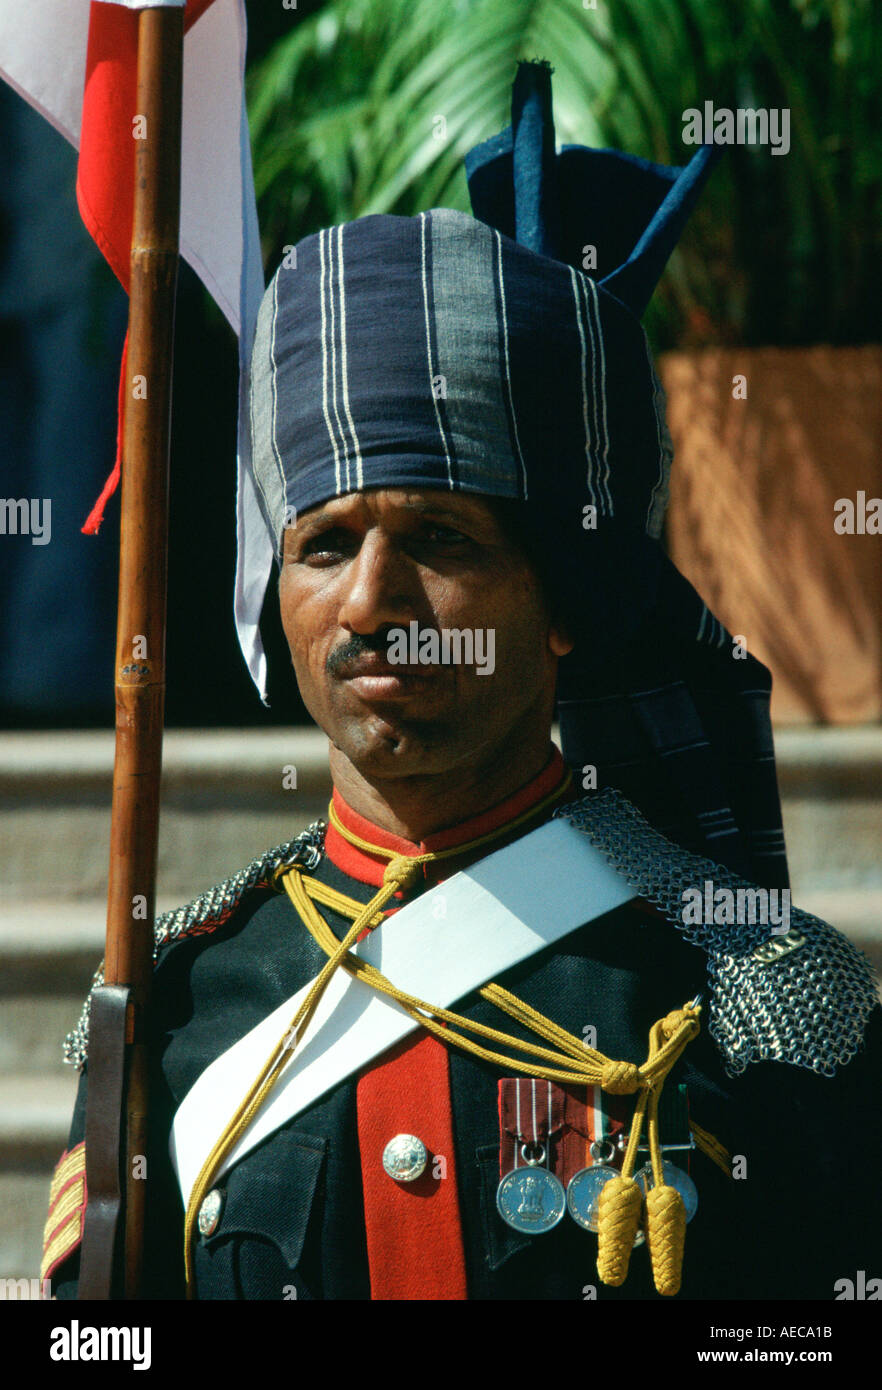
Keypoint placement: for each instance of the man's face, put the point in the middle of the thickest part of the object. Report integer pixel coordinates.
(363, 564)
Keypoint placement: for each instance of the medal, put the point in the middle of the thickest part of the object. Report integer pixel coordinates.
(583, 1191)
(530, 1199)
(674, 1177)
(586, 1186)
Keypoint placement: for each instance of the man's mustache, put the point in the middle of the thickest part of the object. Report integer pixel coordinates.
(359, 644)
(414, 649)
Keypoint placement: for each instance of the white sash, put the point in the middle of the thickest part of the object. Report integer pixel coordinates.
(450, 941)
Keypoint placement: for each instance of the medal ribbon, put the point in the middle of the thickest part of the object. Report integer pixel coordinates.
(531, 1111)
(573, 1123)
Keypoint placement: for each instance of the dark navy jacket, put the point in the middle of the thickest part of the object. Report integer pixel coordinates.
(806, 1214)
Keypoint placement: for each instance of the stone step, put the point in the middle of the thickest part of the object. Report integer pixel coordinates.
(24, 1199)
(223, 801)
(35, 1114)
(49, 951)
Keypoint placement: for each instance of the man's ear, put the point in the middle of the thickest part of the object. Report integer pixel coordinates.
(559, 640)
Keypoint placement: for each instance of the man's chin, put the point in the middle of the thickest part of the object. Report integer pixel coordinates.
(384, 744)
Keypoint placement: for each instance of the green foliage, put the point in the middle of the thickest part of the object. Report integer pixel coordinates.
(786, 249)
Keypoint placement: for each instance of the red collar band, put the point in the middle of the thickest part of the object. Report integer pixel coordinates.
(368, 868)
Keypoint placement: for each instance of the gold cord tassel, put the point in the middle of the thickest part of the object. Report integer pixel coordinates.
(618, 1220)
(620, 1204)
(665, 1209)
(666, 1234)
(619, 1209)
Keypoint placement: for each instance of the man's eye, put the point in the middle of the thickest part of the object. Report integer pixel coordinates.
(443, 534)
(325, 543)
(337, 541)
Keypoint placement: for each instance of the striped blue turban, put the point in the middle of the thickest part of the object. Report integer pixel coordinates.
(435, 352)
(476, 354)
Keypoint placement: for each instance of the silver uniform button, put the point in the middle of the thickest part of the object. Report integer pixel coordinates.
(405, 1158)
(209, 1212)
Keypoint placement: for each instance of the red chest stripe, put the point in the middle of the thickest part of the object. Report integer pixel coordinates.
(414, 1240)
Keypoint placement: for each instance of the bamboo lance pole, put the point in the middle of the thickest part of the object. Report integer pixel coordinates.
(112, 1248)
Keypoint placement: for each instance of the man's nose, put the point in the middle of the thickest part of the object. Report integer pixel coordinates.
(381, 588)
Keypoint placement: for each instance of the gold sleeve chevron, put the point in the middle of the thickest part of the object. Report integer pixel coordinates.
(67, 1208)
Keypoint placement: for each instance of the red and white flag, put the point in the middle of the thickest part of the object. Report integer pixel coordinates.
(76, 63)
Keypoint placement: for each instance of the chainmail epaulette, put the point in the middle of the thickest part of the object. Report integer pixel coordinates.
(803, 997)
(207, 912)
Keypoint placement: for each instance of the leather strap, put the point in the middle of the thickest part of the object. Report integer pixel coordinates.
(99, 1272)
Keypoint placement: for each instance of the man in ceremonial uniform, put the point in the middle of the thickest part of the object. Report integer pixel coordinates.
(456, 1041)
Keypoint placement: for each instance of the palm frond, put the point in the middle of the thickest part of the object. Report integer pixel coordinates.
(344, 121)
